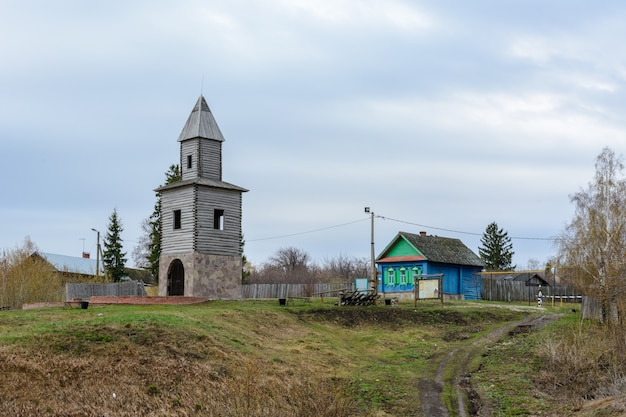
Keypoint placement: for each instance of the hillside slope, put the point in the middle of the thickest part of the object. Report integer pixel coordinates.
(228, 358)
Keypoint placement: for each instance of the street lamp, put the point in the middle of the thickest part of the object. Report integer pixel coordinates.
(97, 254)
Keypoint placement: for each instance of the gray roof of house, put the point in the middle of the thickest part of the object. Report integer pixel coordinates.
(201, 124)
(74, 264)
(443, 249)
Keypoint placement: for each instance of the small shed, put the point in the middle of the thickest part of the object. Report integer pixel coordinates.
(531, 279)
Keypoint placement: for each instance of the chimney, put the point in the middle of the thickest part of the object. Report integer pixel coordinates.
(422, 233)
(86, 255)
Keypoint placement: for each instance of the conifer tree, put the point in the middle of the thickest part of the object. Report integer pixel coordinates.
(154, 242)
(496, 250)
(113, 258)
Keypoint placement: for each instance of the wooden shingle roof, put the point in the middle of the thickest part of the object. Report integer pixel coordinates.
(201, 124)
(439, 249)
(206, 182)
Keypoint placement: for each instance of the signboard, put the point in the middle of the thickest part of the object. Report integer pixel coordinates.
(428, 288)
(361, 284)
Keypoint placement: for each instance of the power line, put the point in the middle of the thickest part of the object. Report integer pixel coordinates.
(466, 233)
(550, 239)
(307, 232)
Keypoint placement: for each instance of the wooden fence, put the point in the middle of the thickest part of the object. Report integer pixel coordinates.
(504, 290)
(85, 290)
(292, 290)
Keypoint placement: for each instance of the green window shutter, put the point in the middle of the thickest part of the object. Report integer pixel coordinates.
(391, 277)
(416, 273)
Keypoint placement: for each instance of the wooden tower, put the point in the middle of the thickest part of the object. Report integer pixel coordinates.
(201, 218)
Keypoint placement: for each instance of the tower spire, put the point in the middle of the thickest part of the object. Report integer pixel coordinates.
(201, 124)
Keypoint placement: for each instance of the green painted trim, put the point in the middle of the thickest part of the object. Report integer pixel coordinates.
(403, 248)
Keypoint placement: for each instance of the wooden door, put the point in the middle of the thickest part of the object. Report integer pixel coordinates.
(176, 278)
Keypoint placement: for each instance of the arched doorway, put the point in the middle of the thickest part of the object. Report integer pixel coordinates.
(176, 278)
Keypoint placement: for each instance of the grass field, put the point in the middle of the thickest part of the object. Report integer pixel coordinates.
(252, 358)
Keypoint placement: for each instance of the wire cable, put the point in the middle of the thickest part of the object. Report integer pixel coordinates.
(466, 233)
(548, 239)
(308, 231)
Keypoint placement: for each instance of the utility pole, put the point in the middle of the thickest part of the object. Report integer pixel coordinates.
(97, 254)
(374, 278)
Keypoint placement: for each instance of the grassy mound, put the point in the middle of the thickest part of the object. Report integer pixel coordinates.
(226, 358)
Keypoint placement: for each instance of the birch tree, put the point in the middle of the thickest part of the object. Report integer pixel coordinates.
(592, 247)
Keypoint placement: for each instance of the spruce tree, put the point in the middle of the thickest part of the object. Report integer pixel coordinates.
(496, 250)
(113, 258)
(154, 241)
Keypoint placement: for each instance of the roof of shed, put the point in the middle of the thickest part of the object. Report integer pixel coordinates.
(74, 264)
(201, 124)
(439, 249)
(538, 277)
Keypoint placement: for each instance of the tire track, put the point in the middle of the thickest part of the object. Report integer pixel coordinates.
(458, 361)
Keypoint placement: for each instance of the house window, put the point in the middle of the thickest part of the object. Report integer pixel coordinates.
(177, 221)
(218, 219)
(188, 161)
(416, 273)
(402, 276)
(391, 276)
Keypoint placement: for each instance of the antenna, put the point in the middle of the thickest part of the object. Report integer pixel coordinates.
(202, 85)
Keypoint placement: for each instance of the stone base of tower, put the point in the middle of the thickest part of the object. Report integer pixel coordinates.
(211, 276)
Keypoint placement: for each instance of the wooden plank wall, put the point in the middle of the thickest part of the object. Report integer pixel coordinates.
(181, 240)
(189, 147)
(206, 159)
(215, 241)
(211, 159)
(504, 290)
(292, 290)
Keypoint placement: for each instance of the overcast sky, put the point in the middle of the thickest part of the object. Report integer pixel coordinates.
(441, 116)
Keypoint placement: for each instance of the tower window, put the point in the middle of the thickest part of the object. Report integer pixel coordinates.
(177, 220)
(218, 219)
(188, 161)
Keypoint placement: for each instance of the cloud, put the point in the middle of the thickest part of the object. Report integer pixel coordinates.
(444, 114)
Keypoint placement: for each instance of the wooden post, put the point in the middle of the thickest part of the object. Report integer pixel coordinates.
(441, 289)
(374, 279)
(415, 289)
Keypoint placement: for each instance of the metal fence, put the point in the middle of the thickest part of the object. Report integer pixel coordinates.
(116, 289)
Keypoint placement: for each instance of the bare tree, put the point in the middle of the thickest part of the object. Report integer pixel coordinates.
(141, 251)
(290, 260)
(26, 278)
(345, 269)
(287, 265)
(533, 264)
(593, 244)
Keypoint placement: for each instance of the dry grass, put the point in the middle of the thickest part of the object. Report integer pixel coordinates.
(119, 373)
(584, 363)
(225, 359)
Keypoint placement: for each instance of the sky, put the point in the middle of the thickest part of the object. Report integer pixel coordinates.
(441, 116)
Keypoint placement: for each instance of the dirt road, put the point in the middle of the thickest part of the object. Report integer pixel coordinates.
(455, 364)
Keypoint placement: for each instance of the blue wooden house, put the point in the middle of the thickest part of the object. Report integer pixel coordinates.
(411, 256)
